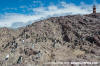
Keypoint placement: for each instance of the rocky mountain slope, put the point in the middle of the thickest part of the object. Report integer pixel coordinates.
(56, 39)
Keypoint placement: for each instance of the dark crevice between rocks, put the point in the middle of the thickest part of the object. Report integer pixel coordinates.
(66, 38)
(90, 39)
(94, 39)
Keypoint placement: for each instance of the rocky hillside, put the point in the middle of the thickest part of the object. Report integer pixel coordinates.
(57, 39)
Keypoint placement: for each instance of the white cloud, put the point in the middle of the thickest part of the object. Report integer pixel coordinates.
(10, 9)
(9, 19)
(37, 1)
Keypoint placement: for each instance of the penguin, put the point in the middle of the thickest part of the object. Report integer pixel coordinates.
(19, 60)
(6, 58)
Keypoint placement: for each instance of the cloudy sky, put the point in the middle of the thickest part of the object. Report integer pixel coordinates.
(18, 13)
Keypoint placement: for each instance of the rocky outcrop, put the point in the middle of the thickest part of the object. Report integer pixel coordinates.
(64, 38)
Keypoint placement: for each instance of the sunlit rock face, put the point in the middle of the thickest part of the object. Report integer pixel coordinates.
(56, 39)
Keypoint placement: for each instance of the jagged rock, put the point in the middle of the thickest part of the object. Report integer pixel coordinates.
(30, 51)
(96, 51)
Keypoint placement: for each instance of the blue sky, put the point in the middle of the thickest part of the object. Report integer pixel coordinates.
(20, 6)
(17, 13)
